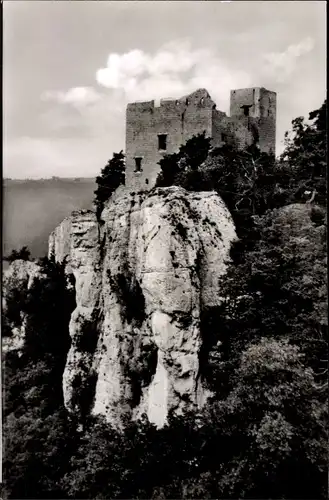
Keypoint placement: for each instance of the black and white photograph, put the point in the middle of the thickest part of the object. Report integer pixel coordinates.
(164, 309)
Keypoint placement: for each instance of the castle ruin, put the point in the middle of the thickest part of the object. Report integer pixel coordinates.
(153, 131)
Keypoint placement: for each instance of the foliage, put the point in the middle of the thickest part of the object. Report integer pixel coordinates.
(98, 468)
(278, 288)
(112, 175)
(83, 395)
(37, 433)
(48, 306)
(22, 254)
(268, 424)
(37, 449)
(182, 168)
(105, 463)
(306, 156)
(15, 301)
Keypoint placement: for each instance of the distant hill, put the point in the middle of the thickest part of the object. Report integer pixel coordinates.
(33, 208)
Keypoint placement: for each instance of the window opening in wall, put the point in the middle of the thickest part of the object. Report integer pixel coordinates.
(246, 109)
(223, 137)
(146, 181)
(162, 141)
(138, 163)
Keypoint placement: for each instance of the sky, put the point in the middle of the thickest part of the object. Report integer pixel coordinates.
(71, 67)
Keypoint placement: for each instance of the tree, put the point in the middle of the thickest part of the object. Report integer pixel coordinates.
(305, 156)
(37, 451)
(33, 395)
(246, 181)
(112, 175)
(268, 437)
(276, 287)
(182, 168)
(22, 254)
(48, 307)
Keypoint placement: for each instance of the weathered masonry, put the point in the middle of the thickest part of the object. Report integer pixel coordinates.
(152, 131)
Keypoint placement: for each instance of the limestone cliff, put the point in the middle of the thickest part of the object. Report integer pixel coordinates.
(17, 280)
(143, 276)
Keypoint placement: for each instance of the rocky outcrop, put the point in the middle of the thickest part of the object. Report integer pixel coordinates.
(143, 276)
(18, 279)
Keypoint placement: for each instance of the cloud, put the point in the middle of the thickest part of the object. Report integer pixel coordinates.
(98, 115)
(123, 71)
(281, 65)
(74, 96)
(174, 70)
(84, 125)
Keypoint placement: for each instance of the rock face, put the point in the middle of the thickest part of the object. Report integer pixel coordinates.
(143, 276)
(18, 278)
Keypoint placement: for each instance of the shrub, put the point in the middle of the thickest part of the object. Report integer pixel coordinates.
(23, 254)
(112, 175)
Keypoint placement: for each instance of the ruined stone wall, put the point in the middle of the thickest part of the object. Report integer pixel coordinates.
(244, 129)
(239, 131)
(267, 121)
(262, 107)
(267, 133)
(184, 118)
(180, 119)
(219, 134)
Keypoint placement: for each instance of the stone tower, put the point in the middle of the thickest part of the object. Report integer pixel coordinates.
(259, 105)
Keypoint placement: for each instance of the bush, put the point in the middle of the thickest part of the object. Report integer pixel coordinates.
(22, 254)
(181, 169)
(112, 175)
(39, 437)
